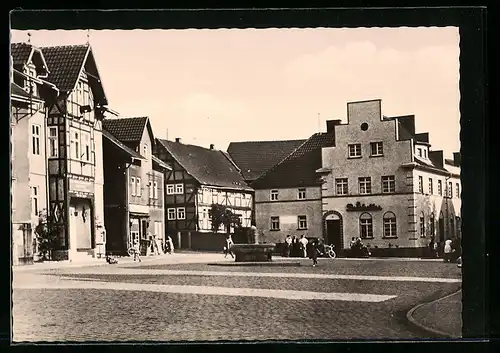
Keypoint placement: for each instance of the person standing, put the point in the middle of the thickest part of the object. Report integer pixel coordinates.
(314, 252)
(137, 249)
(303, 244)
(229, 244)
(288, 246)
(431, 247)
(447, 251)
(170, 244)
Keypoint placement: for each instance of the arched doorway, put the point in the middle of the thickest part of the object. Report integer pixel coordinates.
(333, 229)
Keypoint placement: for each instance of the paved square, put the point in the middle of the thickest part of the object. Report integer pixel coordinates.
(168, 301)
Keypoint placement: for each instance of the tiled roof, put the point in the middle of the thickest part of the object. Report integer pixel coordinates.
(65, 63)
(160, 162)
(120, 145)
(428, 163)
(299, 168)
(209, 167)
(127, 130)
(20, 53)
(256, 157)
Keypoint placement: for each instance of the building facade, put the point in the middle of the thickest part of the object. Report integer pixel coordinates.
(199, 178)
(134, 188)
(383, 183)
(288, 195)
(28, 140)
(74, 151)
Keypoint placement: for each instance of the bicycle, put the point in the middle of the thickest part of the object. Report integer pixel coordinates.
(330, 252)
(133, 252)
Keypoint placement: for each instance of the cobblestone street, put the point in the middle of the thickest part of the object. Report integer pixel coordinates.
(155, 301)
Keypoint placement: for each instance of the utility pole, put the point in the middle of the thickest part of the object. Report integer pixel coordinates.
(319, 125)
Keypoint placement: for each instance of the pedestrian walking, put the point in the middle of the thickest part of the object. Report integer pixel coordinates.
(137, 249)
(313, 252)
(170, 244)
(288, 246)
(227, 248)
(431, 247)
(447, 251)
(303, 243)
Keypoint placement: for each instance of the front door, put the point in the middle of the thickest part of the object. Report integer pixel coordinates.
(72, 233)
(333, 233)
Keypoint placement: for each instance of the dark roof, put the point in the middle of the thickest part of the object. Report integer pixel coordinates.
(128, 130)
(160, 163)
(299, 168)
(256, 157)
(17, 90)
(209, 167)
(65, 64)
(120, 145)
(20, 53)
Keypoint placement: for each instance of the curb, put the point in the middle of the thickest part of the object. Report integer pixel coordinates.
(262, 264)
(413, 321)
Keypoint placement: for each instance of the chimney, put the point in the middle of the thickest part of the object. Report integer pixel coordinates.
(178, 139)
(330, 124)
(457, 158)
(212, 146)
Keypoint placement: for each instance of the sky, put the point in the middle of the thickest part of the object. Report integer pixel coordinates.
(217, 86)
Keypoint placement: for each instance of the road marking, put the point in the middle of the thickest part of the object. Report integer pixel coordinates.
(204, 290)
(122, 271)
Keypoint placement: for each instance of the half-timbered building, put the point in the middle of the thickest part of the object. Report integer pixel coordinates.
(134, 182)
(199, 178)
(28, 191)
(74, 151)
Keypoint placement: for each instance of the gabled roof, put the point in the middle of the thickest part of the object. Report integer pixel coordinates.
(209, 167)
(22, 53)
(256, 157)
(121, 146)
(160, 163)
(299, 167)
(129, 130)
(65, 63)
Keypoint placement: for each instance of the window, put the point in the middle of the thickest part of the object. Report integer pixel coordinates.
(170, 189)
(34, 196)
(275, 223)
(377, 148)
(365, 185)
(419, 152)
(341, 186)
(425, 153)
(145, 149)
(181, 213)
(431, 187)
(274, 195)
(53, 148)
(132, 186)
(354, 150)
(390, 229)
(422, 225)
(86, 146)
(171, 214)
(440, 188)
(179, 188)
(237, 200)
(450, 189)
(302, 194)
(388, 184)
(151, 191)
(302, 222)
(35, 139)
(75, 145)
(155, 190)
(457, 188)
(365, 226)
(139, 189)
(420, 184)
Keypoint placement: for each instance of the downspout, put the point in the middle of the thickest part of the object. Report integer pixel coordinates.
(127, 214)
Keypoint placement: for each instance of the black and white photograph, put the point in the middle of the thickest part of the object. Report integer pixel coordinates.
(235, 184)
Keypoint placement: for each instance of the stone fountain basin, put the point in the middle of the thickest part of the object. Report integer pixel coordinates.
(253, 252)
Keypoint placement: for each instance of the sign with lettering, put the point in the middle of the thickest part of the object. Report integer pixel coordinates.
(81, 186)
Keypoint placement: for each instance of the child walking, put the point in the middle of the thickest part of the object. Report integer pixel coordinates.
(227, 248)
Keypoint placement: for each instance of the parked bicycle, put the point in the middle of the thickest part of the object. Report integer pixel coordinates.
(329, 251)
(134, 252)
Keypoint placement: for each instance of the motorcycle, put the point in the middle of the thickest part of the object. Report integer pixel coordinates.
(327, 251)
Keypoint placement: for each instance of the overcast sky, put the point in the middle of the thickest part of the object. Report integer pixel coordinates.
(218, 86)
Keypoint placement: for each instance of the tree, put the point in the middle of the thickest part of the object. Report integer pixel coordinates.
(46, 236)
(221, 215)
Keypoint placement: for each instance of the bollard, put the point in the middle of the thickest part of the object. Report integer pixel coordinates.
(178, 240)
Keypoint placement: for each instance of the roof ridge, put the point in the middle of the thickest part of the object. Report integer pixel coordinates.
(260, 141)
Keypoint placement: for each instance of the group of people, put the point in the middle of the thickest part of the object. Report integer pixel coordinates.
(358, 248)
(449, 250)
(295, 247)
